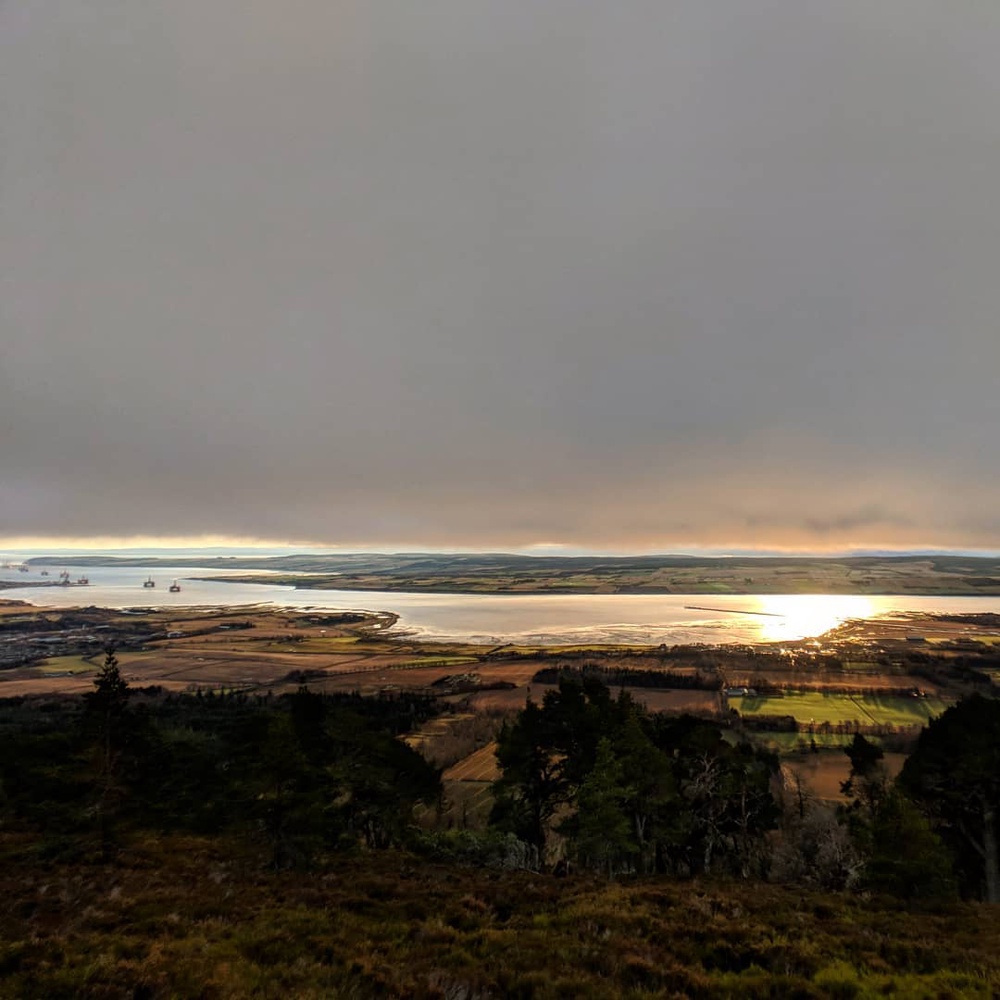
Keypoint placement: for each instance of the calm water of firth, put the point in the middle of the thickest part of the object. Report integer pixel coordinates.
(528, 618)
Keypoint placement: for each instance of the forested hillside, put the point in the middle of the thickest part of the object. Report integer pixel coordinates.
(228, 845)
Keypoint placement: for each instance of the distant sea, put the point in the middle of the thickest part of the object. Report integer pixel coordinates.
(528, 618)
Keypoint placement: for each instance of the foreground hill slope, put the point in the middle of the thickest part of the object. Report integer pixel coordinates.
(182, 916)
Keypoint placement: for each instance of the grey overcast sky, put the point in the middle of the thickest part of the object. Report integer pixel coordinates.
(630, 276)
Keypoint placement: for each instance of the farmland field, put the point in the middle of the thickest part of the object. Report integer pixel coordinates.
(478, 766)
(819, 707)
(434, 729)
(823, 773)
(793, 743)
(467, 804)
(821, 680)
(512, 699)
(655, 700)
(64, 665)
(698, 702)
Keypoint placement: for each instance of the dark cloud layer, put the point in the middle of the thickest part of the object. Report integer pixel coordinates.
(648, 274)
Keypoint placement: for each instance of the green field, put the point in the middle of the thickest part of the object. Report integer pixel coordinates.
(794, 743)
(819, 707)
(67, 665)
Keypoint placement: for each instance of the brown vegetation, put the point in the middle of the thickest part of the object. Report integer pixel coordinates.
(184, 916)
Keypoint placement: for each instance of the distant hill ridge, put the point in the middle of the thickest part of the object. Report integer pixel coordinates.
(466, 561)
(952, 575)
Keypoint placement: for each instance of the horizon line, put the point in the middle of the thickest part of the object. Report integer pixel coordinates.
(263, 549)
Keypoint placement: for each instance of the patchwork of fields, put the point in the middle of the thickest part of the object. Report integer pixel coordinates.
(855, 680)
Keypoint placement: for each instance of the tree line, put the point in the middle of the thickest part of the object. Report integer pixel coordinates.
(300, 774)
(632, 792)
(587, 777)
(697, 680)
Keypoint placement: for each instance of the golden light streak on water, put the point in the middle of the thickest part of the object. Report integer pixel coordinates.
(802, 616)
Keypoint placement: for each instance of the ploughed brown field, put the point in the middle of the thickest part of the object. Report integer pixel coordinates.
(478, 766)
(824, 773)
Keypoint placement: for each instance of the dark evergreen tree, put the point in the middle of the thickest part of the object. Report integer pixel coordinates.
(954, 775)
(600, 831)
(383, 780)
(106, 719)
(689, 798)
(288, 801)
(726, 803)
(907, 858)
(532, 784)
(868, 782)
(650, 789)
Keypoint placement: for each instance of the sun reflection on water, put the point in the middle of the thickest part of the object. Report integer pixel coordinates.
(802, 616)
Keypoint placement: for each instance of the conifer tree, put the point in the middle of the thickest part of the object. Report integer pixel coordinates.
(601, 830)
(106, 716)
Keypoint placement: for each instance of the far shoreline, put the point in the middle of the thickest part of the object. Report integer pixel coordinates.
(327, 584)
(499, 574)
